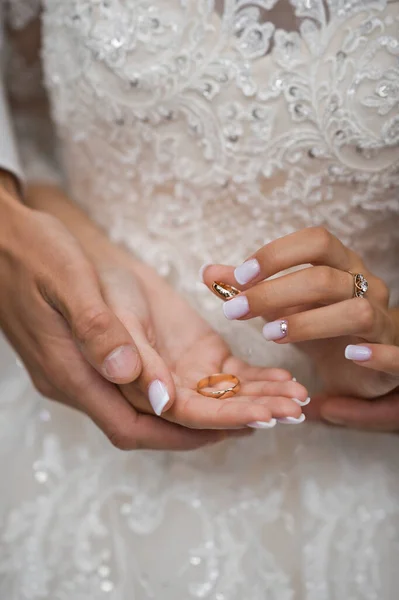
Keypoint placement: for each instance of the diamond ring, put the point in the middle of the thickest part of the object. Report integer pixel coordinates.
(360, 285)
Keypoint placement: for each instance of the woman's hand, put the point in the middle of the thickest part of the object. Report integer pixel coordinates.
(169, 332)
(314, 306)
(192, 350)
(379, 414)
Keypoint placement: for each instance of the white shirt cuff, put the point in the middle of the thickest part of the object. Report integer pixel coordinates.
(9, 159)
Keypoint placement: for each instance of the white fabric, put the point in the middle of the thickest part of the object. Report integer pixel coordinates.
(195, 132)
(9, 159)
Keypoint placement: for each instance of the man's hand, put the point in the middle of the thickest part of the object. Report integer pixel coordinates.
(73, 346)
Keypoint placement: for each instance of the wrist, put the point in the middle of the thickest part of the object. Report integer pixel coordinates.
(95, 243)
(50, 199)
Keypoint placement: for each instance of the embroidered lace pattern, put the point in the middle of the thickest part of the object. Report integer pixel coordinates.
(196, 131)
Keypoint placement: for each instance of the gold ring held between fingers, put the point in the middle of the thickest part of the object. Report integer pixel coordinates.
(207, 382)
(224, 290)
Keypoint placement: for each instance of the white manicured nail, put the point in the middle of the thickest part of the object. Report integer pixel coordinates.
(275, 330)
(263, 424)
(247, 271)
(304, 403)
(358, 353)
(236, 308)
(158, 396)
(292, 420)
(293, 379)
(202, 271)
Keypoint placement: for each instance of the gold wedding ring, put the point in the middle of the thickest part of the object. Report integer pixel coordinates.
(360, 285)
(211, 380)
(224, 290)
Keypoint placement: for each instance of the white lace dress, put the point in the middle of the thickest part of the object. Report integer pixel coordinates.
(195, 131)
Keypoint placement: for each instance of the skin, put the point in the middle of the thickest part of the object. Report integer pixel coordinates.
(378, 414)
(335, 406)
(120, 278)
(176, 345)
(87, 297)
(323, 319)
(63, 337)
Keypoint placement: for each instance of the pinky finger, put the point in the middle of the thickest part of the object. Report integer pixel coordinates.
(380, 357)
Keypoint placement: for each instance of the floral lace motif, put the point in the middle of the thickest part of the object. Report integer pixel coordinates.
(196, 131)
(221, 117)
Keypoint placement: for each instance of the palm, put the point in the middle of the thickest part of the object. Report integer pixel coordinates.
(193, 350)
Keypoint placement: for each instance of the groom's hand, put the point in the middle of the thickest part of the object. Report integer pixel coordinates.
(380, 414)
(73, 346)
(48, 284)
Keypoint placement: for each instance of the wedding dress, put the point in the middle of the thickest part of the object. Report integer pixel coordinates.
(195, 131)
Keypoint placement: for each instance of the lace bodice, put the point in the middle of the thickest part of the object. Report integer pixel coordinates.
(269, 115)
(196, 131)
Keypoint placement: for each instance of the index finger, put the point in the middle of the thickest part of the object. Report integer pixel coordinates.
(314, 245)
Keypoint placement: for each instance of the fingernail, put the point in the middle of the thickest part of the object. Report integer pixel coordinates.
(158, 396)
(293, 379)
(275, 330)
(247, 271)
(292, 420)
(121, 363)
(202, 271)
(304, 403)
(263, 424)
(357, 353)
(236, 308)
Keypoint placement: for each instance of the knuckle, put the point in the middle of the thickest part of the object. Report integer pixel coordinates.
(151, 337)
(268, 255)
(322, 239)
(381, 290)
(75, 387)
(364, 314)
(93, 322)
(123, 439)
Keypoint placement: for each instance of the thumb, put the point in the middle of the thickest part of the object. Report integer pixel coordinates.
(102, 338)
(155, 382)
(125, 297)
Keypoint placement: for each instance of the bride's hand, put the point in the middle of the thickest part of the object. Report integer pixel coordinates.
(379, 414)
(176, 347)
(192, 350)
(314, 306)
(53, 313)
